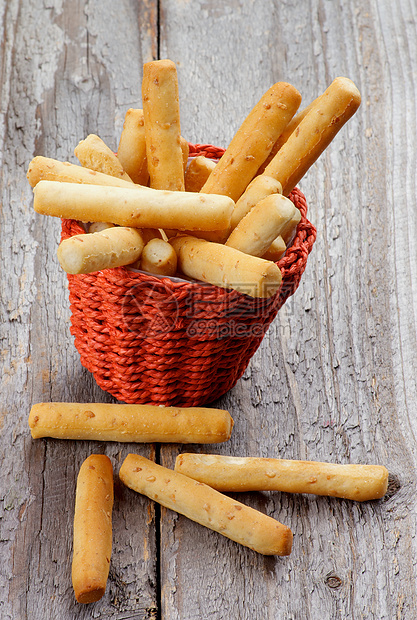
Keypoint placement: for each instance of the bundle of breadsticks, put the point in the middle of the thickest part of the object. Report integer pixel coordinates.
(225, 223)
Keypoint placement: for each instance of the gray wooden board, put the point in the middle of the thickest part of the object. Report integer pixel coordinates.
(334, 378)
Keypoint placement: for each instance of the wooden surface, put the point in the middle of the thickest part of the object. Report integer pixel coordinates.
(335, 377)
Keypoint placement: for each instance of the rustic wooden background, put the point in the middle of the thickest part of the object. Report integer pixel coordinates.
(335, 377)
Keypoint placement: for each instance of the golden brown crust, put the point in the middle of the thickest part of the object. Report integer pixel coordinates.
(134, 206)
(94, 154)
(314, 133)
(264, 222)
(131, 151)
(162, 125)
(229, 473)
(227, 267)
(47, 169)
(130, 423)
(92, 528)
(253, 141)
(206, 506)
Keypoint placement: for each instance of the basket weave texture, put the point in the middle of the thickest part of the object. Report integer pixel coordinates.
(156, 340)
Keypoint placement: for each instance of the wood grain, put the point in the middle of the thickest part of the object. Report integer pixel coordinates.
(335, 377)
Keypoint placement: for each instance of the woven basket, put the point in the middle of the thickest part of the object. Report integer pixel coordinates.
(163, 341)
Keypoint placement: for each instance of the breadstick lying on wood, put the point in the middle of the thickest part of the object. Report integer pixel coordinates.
(162, 125)
(231, 473)
(264, 222)
(198, 172)
(135, 206)
(253, 141)
(131, 151)
(130, 423)
(204, 505)
(226, 267)
(314, 133)
(92, 528)
(94, 154)
(47, 169)
(158, 257)
(112, 247)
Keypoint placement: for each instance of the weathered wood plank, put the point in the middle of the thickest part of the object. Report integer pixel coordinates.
(65, 74)
(335, 377)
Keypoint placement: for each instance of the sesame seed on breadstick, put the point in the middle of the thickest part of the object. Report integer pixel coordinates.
(253, 141)
(131, 151)
(48, 169)
(204, 505)
(135, 206)
(314, 133)
(94, 154)
(232, 473)
(161, 111)
(130, 423)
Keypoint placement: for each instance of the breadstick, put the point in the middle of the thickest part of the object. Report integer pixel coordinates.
(162, 125)
(231, 473)
(130, 423)
(158, 257)
(92, 528)
(292, 126)
(185, 150)
(112, 247)
(288, 229)
(253, 141)
(204, 505)
(276, 250)
(136, 206)
(99, 226)
(279, 245)
(131, 151)
(94, 154)
(47, 169)
(264, 222)
(226, 267)
(198, 172)
(314, 133)
(258, 189)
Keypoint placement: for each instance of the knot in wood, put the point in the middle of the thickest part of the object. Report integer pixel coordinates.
(332, 580)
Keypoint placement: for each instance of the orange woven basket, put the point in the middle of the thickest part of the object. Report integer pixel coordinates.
(157, 340)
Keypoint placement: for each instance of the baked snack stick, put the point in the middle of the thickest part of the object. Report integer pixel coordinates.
(204, 505)
(47, 169)
(92, 528)
(135, 206)
(292, 126)
(314, 133)
(94, 154)
(130, 423)
(162, 125)
(231, 473)
(197, 173)
(226, 267)
(276, 250)
(158, 257)
(264, 222)
(253, 141)
(131, 151)
(112, 247)
(258, 189)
